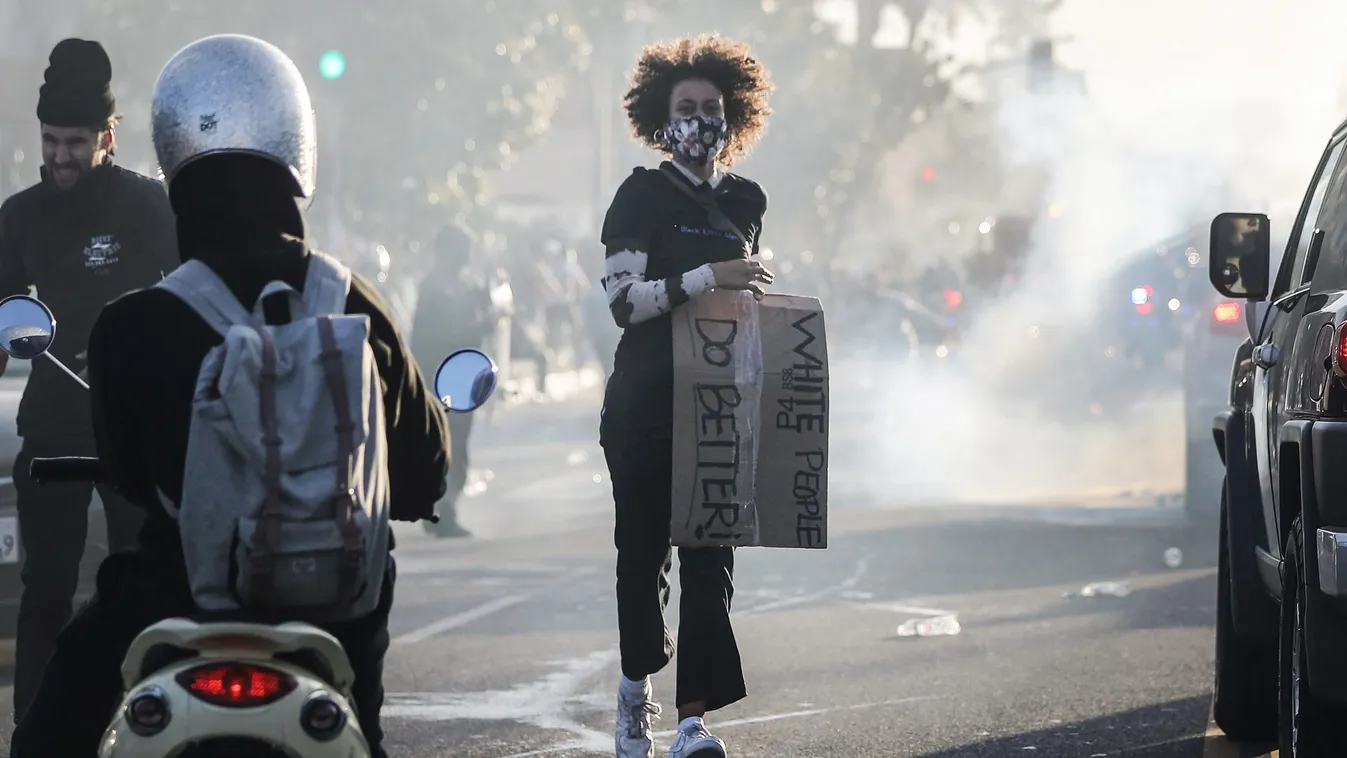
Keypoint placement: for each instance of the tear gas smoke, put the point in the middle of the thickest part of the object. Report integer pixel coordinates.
(1193, 107)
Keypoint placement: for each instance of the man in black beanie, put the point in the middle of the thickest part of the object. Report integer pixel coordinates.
(453, 312)
(87, 233)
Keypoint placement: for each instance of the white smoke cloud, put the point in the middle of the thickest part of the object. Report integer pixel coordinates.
(1192, 104)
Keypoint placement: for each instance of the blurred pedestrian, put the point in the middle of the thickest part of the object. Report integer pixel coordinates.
(453, 312)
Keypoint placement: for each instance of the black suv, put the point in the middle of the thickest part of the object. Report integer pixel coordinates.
(1281, 634)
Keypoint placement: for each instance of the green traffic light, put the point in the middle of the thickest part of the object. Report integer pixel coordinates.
(332, 65)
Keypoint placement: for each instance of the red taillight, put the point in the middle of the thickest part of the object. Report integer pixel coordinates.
(953, 299)
(1226, 313)
(1340, 352)
(236, 685)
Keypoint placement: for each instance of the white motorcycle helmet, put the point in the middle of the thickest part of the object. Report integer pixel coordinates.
(231, 93)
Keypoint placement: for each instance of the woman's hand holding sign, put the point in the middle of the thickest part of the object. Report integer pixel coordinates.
(743, 274)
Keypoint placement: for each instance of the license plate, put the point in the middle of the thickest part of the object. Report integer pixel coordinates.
(9, 539)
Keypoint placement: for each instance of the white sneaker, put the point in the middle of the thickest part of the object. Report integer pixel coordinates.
(634, 717)
(693, 741)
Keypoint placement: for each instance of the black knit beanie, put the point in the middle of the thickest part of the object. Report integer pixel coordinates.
(78, 88)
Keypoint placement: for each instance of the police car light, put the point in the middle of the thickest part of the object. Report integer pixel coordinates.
(1141, 295)
(1226, 313)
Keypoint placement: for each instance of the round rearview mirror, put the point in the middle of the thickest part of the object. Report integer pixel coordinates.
(465, 380)
(26, 327)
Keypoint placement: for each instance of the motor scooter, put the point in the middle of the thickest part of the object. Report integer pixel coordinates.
(196, 688)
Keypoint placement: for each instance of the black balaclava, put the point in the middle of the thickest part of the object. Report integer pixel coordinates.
(238, 214)
(78, 88)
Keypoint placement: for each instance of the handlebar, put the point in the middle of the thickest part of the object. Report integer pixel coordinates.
(82, 469)
(68, 469)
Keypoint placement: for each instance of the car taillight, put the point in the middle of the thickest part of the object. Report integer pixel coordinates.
(1226, 313)
(1340, 352)
(236, 685)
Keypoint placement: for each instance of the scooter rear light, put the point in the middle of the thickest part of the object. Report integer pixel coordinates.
(236, 685)
(147, 714)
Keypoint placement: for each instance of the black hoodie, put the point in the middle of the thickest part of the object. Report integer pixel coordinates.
(81, 248)
(142, 408)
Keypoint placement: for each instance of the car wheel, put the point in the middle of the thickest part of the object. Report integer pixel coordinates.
(1309, 727)
(1245, 699)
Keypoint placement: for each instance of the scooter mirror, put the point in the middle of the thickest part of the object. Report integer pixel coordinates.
(465, 380)
(26, 327)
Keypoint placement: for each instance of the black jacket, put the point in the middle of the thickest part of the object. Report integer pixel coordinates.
(81, 248)
(142, 396)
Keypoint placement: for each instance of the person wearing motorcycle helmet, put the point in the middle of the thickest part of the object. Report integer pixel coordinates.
(234, 133)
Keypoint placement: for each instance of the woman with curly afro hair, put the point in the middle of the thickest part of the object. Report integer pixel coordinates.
(673, 234)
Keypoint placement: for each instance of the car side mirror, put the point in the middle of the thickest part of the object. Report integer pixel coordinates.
(1240, 257)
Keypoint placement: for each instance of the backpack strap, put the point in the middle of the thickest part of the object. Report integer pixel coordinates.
(343, 501)
(716, 216)
(326, 285)
(263, 561)
(207, 294)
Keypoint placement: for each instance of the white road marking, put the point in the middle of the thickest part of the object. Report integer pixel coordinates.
(482, 611)
(461, 619)
(846, 584)
(555, 701)
(549, 703)
(803, 713)
(913, 610)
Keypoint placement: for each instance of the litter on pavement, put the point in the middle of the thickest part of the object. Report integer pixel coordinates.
(1102, 589)
(1173, 557)
(940, 626)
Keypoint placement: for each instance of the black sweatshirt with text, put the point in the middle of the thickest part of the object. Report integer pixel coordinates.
(81, 248)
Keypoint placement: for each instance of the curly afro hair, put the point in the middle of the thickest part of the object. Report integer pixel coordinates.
(727, 64)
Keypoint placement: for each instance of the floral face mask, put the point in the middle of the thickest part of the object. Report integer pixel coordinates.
(697, 140)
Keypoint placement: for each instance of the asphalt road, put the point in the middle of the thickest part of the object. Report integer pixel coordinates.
(505, 645)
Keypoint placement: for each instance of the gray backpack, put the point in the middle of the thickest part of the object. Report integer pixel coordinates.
(285, 498)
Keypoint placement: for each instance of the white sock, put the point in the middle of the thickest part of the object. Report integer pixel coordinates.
(633, 689)
(690, 721)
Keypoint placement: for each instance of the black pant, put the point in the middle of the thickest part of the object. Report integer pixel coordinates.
(53, 526)
(460, 426)
(709, 668)
(83, 683)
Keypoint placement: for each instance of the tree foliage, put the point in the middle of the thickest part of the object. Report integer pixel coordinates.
(436, 94)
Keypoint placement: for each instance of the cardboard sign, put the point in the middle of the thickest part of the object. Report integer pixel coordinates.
(750, 429)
